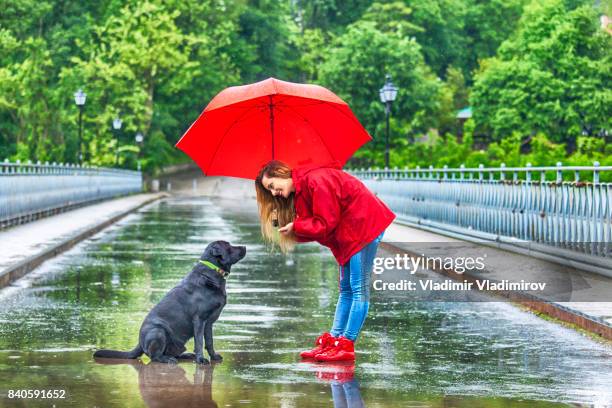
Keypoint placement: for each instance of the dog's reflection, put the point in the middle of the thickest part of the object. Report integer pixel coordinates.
(166, 385)
(344, 386)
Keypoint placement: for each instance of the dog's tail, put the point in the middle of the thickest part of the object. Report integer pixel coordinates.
(137, 352)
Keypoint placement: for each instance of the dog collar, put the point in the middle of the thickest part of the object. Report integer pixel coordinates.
(214, 267)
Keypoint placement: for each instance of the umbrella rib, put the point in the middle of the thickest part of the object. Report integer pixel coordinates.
(227, 131)
(315, 130)
(272, 103)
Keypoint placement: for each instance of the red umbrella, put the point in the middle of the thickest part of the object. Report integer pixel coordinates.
(244, 127)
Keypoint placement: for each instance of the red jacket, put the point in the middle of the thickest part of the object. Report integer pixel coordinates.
(337, 210)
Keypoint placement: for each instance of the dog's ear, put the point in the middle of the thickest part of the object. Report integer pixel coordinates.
(216, 250)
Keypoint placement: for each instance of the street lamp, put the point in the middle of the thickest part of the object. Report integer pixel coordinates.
(387, 95)
(79, 99)
(139, 138)
(117, 126)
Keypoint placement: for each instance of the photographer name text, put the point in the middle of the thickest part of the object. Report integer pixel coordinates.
(459, 265)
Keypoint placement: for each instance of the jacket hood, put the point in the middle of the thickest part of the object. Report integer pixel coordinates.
(299, 172)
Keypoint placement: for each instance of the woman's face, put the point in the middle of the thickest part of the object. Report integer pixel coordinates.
(278, 186)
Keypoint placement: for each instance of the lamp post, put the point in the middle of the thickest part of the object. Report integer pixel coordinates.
(139, 138)
(79, 99)
(117, 122)
(387, 95)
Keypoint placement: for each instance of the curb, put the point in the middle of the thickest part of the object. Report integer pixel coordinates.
(551, 309)
(22, 268)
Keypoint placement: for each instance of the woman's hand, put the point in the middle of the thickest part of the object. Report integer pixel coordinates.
(286, 229)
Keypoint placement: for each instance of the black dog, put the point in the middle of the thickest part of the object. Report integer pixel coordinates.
(188, 310)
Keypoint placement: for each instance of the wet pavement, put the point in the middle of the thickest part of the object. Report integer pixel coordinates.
(411, 354)
(25, 240)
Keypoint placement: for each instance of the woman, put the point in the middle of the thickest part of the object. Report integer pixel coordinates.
(327, 205)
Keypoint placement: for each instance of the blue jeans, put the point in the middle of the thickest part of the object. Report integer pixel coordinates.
(354, 300)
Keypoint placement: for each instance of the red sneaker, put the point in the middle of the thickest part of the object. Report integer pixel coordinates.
(324, 342)
(342, 350)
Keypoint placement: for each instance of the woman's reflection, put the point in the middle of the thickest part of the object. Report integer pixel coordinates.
(344, 386)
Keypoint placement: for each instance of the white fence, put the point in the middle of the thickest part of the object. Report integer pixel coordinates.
(30, 190)
(566, 220)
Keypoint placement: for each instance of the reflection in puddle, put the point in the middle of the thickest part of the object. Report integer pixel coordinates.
(346, 394)
(167, 385)
(410, 354)
(344, 386)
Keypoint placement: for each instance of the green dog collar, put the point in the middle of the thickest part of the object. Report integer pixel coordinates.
(214, 267)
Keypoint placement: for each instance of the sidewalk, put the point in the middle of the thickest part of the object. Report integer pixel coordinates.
(577, 297)
(26, 246)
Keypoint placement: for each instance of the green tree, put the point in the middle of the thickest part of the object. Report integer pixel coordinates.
(453, 97)
(487, 24)
(135, 55)
(461, 32)
(27, 101)
(394, 18)
(265, 28)
(551, 77)
(328, 15)
(442, 36)
(312, 45)
(356, 67)
(218, 57)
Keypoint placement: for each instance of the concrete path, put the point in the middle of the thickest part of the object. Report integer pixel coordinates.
(193, 182)
(575, 296)
(26, 246)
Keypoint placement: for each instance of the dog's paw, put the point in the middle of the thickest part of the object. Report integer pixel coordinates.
(216, 357)
(172, 360)
(201, 360)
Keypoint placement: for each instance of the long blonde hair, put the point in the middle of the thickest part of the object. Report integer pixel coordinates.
(275, 210)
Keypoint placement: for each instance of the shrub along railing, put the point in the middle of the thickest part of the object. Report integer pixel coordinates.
(31, 190)
(564, 220)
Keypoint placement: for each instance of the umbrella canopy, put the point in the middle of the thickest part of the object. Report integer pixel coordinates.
(244, 127)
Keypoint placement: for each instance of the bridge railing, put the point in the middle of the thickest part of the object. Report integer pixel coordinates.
(565, 219)
(30, 190)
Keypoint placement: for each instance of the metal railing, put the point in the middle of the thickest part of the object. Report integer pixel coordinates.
(30, 190)
(567, 219)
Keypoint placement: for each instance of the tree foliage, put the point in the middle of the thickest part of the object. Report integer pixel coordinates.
(535, 71)
(552, 77)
